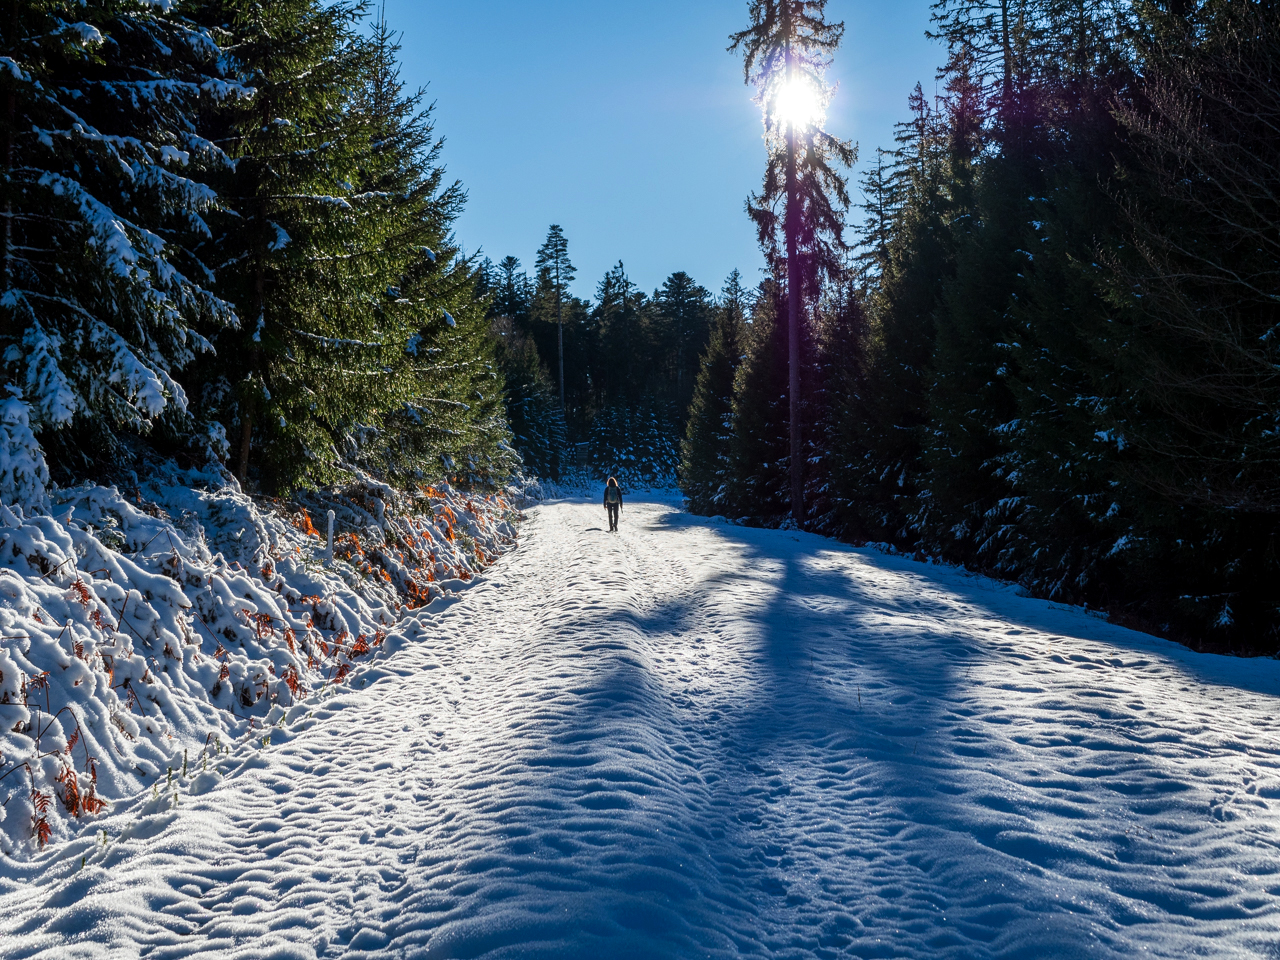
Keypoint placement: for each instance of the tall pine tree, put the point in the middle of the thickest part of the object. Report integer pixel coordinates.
(704, 464)
(786, 52)
(555, 273)
(878, 469)
(448, 417)
(759, 483)
(680, 313)
(296, 253)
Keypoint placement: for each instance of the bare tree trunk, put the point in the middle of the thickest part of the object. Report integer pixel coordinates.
(246, 407)
(1007, 89)
(560, 333)
(11, 118)
(793, 325)
(246, 435)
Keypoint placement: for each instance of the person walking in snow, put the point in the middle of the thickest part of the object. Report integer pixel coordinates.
(613, 502)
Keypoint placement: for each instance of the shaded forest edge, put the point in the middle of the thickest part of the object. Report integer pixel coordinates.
(1054, 355)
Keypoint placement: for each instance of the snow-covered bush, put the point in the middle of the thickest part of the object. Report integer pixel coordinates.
(141, 626)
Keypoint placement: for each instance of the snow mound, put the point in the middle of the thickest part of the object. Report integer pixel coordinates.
(140, 630)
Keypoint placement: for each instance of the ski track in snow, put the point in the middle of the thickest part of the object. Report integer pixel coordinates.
(692, 739)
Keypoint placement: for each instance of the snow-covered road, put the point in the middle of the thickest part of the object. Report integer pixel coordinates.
(698, 740)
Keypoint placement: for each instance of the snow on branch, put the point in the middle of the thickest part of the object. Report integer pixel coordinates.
(23, 474)
(335, 341)
(87, 34)
(142, 387)
(11, 66)
(55, 399)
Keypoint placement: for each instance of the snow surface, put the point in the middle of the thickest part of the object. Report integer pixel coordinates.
(139, 630)
(692, 739)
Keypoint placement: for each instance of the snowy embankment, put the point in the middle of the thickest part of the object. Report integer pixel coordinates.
(143, 632)
(697, 740)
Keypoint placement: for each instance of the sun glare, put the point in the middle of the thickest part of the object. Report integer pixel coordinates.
(798, 102)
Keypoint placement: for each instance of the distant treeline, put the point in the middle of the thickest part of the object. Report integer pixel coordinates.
(630, 363)
(1057, 358)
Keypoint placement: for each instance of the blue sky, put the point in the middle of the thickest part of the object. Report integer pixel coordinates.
(628, 123)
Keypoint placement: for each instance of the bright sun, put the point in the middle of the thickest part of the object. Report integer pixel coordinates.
(798, 102)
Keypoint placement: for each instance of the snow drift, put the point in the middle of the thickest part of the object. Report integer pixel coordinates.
(141, 629)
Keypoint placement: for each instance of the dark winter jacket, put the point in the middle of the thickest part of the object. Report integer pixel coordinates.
(618, 491)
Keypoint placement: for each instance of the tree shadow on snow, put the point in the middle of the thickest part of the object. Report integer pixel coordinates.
(876, 704)
(1002, 603)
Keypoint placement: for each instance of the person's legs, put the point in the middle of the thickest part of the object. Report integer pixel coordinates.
(613, 517)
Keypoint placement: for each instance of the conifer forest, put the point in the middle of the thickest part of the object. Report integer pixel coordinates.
(1036, 337)
(1047, 348)
(934, 612)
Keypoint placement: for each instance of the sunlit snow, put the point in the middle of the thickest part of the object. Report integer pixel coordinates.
(692, 739)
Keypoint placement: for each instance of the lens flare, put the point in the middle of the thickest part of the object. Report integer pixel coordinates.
(798, 103)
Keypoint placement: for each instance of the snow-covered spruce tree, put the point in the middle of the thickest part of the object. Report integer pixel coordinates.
(975, 496)
(510, 291)
(533, 409)
(538, 430)
(455, 425)
(638, 347)
(1194, 285)
(841, 338)
(633, 440)
(561, 327)
(1072, 507)
(987, 213)
(24, 477)
(103, 214)
(680, 317)
(555, 273)
(704, 462)
(622, 338)
(968, 510)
